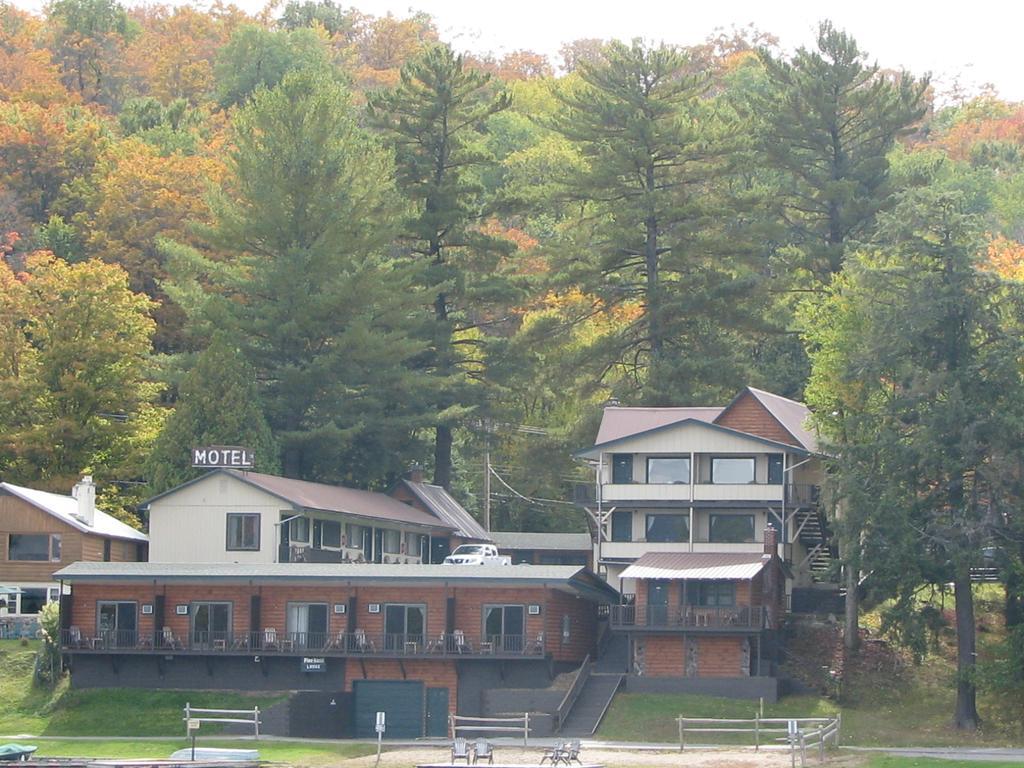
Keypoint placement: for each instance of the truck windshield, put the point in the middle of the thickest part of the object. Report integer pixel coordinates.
(470, 549)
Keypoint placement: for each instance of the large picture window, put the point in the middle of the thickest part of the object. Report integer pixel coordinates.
(732, 470)
(392, 541)
(731, 529)
(38, 547)
(211, 623)
(243, 531)
(404, 624)
(330, 534)
(505, 627)
(306, 624)
(116, 622)
(661, 528)
(713, 593)
(668, 470)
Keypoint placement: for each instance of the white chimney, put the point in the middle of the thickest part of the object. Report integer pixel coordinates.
(85, 492)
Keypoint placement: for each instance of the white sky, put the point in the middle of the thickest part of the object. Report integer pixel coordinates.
(977, 41)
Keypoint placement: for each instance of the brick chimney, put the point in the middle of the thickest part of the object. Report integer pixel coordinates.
(414, 473)
(771, 540)
(85, 493)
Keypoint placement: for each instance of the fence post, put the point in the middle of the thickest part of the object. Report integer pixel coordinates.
(821, 747)
(682, 741)
(256, 721)
(757, 732)
(839, 725)
(803, 750)
(526, 729)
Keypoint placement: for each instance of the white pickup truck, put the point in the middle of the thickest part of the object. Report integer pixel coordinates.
(477, 554)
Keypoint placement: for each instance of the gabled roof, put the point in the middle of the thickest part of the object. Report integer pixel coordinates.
(303, 494)
(65, 509)
(542, 541)
(697, 566)
(569, 577)
(792, 415)
(448, 510)
(599, 447)
(618, 421)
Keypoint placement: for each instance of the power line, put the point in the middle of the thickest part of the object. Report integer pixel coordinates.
(528, 499)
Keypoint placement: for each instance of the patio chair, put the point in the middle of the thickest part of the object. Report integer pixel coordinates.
(460, 750)
(437, 645)
(270, 642)
(168, 640)
(482, 750)
(537, 646)
(75, 637)
(553, 754)
(362, 642)
(572, 753)
(461, 643)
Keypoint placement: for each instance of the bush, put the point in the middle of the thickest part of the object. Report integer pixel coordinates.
(48, 661)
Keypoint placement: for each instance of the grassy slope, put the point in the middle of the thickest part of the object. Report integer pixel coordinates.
(887, 761)
(101, 712)
(295, 753)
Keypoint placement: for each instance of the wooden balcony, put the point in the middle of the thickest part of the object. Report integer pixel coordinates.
(687, 618)
(355, 644)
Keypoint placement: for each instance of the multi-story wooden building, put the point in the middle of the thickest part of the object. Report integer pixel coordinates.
(416, 641)
(42, 532)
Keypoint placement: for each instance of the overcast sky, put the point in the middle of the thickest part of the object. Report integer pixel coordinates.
(977, 41)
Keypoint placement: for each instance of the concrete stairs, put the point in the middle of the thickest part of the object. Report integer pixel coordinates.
(591, 705)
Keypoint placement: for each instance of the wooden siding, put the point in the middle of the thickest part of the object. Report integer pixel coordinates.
(747, 414)
(18, 516)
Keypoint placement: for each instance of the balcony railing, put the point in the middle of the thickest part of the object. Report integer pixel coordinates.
(687, 617)
(803, 495)
(269, 642)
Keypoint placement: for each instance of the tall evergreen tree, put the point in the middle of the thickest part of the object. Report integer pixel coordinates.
(218, 404)
(917, 379)
(829, 120)
(432, 118)
(318, 308)
(654, 148)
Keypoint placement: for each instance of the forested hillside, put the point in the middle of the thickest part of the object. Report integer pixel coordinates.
(331, 237)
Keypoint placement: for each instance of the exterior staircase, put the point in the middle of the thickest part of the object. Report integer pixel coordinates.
(815, 536)
(593, 702)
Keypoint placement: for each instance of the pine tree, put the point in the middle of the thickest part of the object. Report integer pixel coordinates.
(218, 404)
(432, 117)
(306, 287)
(654, 147)
(829, 120)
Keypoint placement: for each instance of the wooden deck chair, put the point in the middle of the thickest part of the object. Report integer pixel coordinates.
(362, 642)
(270, 642)
(553, 754)
(572, 752)
(482, 750)
(461, 643)
(537, 646)
(460, 750)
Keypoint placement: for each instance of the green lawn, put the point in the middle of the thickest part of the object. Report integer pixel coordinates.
(98, 712)
(888, 761)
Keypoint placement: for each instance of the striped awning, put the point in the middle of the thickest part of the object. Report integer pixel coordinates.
(697, 566)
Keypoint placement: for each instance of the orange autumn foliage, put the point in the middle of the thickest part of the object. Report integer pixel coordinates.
(1006, 258)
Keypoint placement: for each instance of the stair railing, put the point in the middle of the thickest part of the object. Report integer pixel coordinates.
(565, 707)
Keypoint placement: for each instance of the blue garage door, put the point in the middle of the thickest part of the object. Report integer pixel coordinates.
(402, 700)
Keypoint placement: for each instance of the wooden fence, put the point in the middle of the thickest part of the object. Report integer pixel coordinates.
(800, 733)
(247, 716)
(460, 725)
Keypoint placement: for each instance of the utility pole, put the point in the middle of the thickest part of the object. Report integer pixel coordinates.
(487, 476)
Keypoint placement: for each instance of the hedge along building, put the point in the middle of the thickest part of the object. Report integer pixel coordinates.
(416, 641)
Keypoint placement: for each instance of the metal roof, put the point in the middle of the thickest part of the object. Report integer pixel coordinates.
(448, 510)
(597, 448)
(620, 421)
(542, 541)
(304, 494)
(574, 577)
(65, 509)
(792, 415)
(697, 566)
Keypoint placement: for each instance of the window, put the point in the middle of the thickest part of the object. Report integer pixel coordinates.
(243, 531)
(732, 470)
(298, 530)
(713, 593)
(306, 624)
(353, 535)
(404, 624)
(668, 528)
(622, 525)
(505, 626)
(116, 622)
(32, 601)
(622, 468)
(211, 622)
(666, 470)
(330, 534)
(775, 474)
(732, 529)
(392, 541)
(414, 543)
(39, 547)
